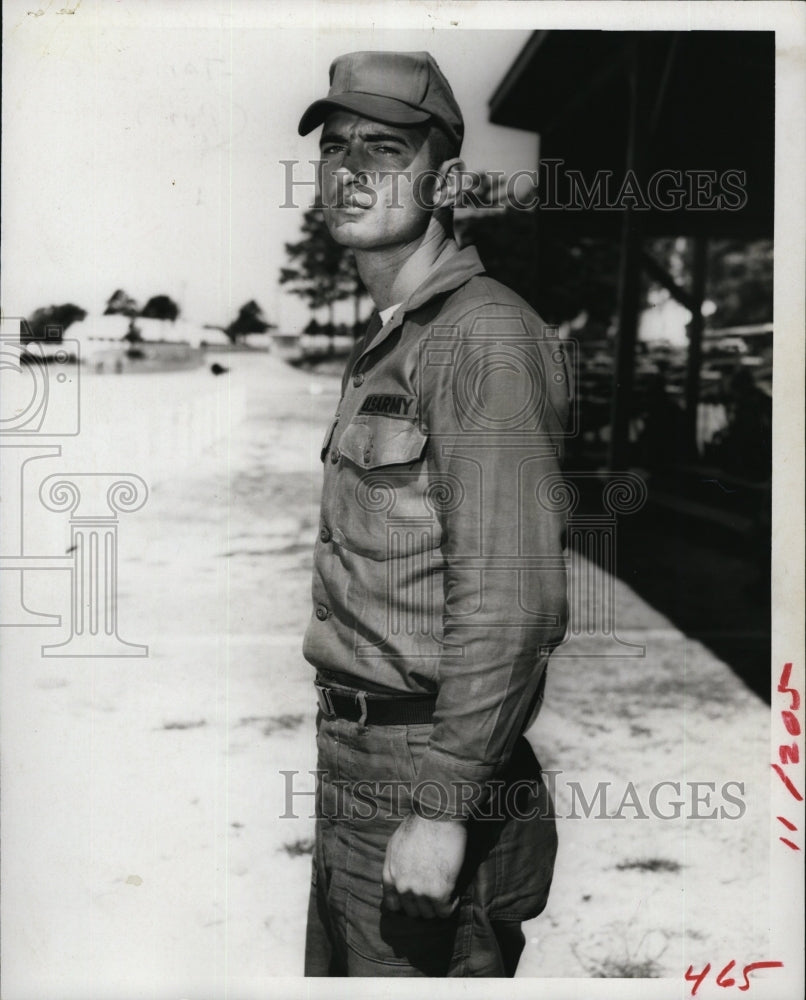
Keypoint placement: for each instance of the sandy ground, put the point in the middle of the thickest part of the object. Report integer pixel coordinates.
(144, 853)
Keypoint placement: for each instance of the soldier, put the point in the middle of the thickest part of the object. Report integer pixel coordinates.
(439, 579)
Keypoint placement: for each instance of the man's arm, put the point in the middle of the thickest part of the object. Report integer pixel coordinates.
(494, 418)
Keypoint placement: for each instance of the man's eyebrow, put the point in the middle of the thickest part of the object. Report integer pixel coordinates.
(386, 137)
(331, 137)
(401, 138)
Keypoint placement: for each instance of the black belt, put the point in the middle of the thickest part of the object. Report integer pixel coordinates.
(375, 710)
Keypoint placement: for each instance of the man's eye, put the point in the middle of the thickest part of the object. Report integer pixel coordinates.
(331, 149)
(387, 149)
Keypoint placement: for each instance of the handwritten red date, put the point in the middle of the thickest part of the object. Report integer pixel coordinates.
(789, 753)
(724, 978)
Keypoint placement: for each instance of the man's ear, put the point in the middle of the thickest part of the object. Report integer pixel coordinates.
(454, 179)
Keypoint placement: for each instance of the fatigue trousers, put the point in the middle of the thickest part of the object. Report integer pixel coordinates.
(366, 774)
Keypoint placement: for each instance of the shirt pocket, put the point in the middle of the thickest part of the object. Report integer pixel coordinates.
(383, 490)
(377, 441)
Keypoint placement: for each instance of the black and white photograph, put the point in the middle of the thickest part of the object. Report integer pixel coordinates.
(402, 475)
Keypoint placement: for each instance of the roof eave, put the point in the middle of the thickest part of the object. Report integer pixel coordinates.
(514, 74)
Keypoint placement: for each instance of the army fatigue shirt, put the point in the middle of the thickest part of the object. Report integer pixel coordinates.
(439, 565)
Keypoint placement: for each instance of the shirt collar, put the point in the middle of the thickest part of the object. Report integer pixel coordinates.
(454, 273)
(387, 314)
(449, 276)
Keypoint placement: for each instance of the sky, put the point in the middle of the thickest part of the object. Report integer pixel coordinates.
(142, 141)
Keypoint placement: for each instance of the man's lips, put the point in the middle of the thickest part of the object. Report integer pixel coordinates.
(352, 203)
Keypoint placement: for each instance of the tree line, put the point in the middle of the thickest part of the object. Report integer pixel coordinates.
(50, 322)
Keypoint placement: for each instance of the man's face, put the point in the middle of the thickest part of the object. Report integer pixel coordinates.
(376, 181)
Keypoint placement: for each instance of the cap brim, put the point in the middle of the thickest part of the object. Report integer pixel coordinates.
(374, 106)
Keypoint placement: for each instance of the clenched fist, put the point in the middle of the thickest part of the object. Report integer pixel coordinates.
(423, 860)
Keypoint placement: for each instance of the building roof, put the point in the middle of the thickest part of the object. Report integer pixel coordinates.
(707, 101)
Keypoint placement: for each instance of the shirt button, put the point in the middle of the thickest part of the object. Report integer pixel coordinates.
(325, 535)
(321, 612)
(358, 380)
(335, 455)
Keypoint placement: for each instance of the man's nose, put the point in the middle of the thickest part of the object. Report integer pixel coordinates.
(354, 163)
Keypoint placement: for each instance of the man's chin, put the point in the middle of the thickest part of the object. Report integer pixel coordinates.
(347, 232)
(345, 238)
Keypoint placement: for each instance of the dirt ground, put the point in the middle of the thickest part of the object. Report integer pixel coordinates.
(145, 851)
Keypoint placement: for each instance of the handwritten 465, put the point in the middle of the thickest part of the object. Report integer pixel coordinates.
(724, 978)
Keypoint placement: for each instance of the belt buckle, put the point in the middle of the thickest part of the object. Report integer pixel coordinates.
(325, 701)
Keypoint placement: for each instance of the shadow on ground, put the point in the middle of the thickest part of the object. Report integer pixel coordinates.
(713, 584)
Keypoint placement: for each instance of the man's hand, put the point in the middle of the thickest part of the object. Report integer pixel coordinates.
(423, 859)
